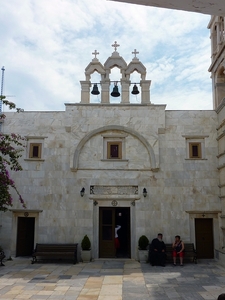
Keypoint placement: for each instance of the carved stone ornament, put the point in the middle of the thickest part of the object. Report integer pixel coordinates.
(113, 190)
(114, 203)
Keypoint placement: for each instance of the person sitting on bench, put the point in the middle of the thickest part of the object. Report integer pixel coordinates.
(178, 250)
(158, 251)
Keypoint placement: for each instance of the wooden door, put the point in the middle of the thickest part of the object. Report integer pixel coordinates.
(109, 217)
(106, 232)
(204, 238)
(25, 236)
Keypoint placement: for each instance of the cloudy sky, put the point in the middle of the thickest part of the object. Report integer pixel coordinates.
(46, 46)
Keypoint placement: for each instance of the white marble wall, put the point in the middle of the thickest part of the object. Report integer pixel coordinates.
(175, 186)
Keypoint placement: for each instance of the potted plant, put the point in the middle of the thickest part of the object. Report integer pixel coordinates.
(143, 243)
(86, 249)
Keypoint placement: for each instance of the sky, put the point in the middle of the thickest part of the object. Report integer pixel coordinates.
(46, 46)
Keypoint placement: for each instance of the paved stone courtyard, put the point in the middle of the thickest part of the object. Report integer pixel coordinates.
(110, 280)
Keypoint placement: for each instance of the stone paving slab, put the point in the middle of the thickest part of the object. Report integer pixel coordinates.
(110, 280)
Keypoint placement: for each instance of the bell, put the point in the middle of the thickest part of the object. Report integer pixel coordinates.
(135, 90)
(115, 92)
(95, 90)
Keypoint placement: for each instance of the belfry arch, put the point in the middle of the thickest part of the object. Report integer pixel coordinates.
(119, 128)
(115, 60)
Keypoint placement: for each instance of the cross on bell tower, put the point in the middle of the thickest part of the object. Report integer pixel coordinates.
(115, 45)
(135, 52)
(95, 53)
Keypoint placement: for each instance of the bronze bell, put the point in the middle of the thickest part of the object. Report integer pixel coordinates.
(135, 90)
(115, 92)
(95, 90)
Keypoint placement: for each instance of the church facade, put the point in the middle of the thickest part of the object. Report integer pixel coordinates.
(137, 165)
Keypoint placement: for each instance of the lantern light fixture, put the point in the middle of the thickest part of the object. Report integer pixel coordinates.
(145, 192)
(82, 192)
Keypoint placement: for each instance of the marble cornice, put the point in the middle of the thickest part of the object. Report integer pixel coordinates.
(221, 106)
(24, 210)
(220, 136)
(115, 104)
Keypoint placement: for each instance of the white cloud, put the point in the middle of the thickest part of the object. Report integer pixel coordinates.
(48, 44)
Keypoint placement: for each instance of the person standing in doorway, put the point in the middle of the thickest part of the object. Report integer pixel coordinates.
(117, 242)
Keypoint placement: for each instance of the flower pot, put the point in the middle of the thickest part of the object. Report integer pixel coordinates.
(143, 256)
(86, 255)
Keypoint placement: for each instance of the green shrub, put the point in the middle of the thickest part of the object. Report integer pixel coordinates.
(86, 243)
(143, 242)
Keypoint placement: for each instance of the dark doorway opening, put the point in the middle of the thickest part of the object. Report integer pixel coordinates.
(109, 217)
(25, 236)
(204, 238)
(122, 217)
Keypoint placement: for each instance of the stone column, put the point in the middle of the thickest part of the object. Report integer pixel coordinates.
(220, 92)
(224, 28)
(125, 97)
(85, 91)
(105, 91)
(145, 91)
(218, 32)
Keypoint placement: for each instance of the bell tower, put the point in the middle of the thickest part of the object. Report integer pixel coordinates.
(217, 67)
(124, 83)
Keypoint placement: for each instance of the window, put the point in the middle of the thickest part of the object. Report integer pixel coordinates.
(195, 150)
(35, 150)
(114, 146)
(114, 150)
(195, 146)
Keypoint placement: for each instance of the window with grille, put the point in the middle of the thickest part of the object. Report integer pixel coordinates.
(114, 150)
(35, 150)
(195, 150)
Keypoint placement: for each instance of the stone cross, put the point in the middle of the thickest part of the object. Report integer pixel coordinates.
(115, 45)
(95, 53)
(135, 52)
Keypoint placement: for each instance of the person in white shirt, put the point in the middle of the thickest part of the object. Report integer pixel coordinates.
(117, 242)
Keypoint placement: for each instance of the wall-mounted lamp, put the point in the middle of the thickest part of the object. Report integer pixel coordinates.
(145, 192)
(82, 192)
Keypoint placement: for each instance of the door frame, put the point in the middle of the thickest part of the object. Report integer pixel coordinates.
(205, 215)
(23, 213)
(108, 203)
(124, 233)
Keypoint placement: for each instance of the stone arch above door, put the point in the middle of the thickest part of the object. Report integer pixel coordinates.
(130, 131)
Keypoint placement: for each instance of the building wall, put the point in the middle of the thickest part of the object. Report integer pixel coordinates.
(156, 158)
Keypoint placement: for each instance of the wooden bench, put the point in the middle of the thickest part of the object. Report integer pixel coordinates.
(55, 251)
(2, 256)
(190, 254)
